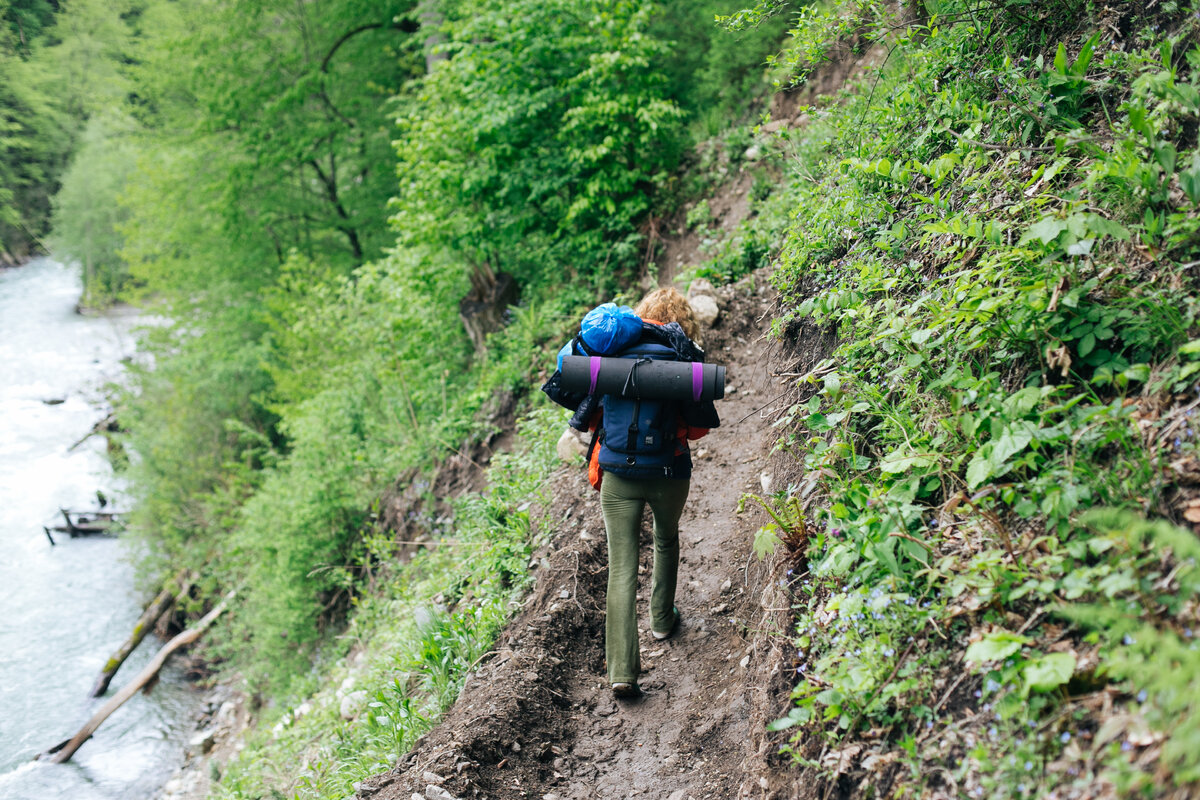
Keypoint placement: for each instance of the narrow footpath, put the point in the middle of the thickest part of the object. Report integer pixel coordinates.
(536, 718)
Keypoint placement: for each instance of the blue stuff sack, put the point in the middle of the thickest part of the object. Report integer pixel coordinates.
(566, 351)
(608, 329)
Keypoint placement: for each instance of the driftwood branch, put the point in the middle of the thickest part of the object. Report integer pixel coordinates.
(107, 425)
(63, 751)
(159, 606)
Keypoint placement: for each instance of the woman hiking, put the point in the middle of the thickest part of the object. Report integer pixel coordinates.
(654, 470)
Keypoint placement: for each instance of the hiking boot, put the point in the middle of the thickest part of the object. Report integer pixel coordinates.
(674, 627)
(626, 691)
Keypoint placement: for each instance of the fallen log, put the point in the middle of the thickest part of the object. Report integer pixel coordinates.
(158, 606)
(88, 523)
(107, 425)
(63, 751)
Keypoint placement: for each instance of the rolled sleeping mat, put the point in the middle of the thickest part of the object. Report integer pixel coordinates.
(655, 380)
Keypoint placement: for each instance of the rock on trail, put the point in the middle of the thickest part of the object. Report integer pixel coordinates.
(537, 720)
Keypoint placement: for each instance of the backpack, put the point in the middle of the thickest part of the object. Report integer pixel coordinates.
(638, 436)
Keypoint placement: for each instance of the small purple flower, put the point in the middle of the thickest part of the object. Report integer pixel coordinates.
(1128, 640)
(1066, 737)
(1141, 696)
(1028, 766)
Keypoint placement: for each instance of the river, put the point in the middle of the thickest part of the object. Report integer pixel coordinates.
(64, 609)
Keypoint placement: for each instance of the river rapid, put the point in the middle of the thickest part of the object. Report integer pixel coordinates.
(64, 609)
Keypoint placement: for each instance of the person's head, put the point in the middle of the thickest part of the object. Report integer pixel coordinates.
(668, 305)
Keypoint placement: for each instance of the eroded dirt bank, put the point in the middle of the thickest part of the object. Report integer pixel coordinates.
(536, 718)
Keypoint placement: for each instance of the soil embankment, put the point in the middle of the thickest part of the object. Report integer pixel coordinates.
(537, 719)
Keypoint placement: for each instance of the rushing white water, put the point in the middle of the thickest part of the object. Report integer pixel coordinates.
(64, 609)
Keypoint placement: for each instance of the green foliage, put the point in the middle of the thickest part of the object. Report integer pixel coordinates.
(422, 630)
(538, 144)
(56, 69)
(1002, 251)
(87, 213)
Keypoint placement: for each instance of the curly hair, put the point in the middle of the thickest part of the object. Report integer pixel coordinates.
(668, 305)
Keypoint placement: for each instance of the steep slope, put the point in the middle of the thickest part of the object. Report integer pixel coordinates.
(536, 718)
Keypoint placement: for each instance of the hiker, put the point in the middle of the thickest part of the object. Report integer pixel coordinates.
(662, 327)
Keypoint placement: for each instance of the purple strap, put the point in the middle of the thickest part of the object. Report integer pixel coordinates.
(594, 364)
(697, 380)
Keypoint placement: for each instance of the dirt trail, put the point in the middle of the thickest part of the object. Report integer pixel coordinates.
(537, 719)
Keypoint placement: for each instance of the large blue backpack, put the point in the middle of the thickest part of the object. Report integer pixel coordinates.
(638, 436)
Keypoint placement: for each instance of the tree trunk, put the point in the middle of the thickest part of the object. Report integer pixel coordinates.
(63, 751)
(482, 310)
(429, 13)
(158, 606)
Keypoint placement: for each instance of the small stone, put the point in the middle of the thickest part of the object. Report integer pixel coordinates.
(744, 662)
(437, 793)
(569, 448)
(700, 288)
(564, 594)
(706, 310)
(432, 777)
(351, 703)
(752, 153)
(516, 747)
(766, 481)
(203, 741)
(727, 585)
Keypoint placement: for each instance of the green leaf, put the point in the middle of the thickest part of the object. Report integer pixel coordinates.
(797, 716)
(1045, 230)
(1189, 179)
(902, 461)
(922, 336)
(1015, 438)
(996, 646)
(1086, 344)
(1060, 59)
(765, 541)
(1048, 672)
(1166, 155)
(1080, 66)
(980, 468)
(1102, 226)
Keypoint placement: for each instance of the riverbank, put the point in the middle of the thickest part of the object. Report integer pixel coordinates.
(67, 607)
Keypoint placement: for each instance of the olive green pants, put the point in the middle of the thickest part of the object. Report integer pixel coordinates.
(622, 500)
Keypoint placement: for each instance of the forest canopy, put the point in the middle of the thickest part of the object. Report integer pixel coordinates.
(310, 192)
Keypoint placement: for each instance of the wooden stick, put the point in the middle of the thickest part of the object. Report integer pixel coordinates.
(64, 750)
(158, 606)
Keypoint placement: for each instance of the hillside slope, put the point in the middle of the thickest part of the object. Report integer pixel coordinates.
(537, 719)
